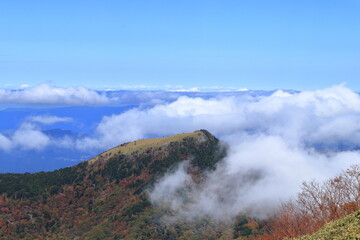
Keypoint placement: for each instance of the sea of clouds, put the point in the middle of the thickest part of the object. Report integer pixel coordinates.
(275, 141)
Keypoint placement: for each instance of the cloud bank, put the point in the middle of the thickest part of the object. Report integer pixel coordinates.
(48, 120)
(306, 119)
(46, 94)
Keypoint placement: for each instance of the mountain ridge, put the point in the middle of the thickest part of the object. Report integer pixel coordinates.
(144, 144)
(102, 199)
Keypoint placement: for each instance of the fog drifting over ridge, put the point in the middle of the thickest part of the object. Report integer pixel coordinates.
(276, 141)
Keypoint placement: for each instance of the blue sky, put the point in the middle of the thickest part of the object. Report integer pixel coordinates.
(163, 44)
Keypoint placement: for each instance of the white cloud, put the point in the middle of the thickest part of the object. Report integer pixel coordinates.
(214, 89)
(24, 86)
(193, 89)
(242, 90)
(5, 143)
(29, 137)
(46, 94)
(48, 119)
(137, 87)
(169, 189)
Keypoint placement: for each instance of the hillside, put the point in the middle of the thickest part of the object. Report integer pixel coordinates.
(347, 227)
(104, 197)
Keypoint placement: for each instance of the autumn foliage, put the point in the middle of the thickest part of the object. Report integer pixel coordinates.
(105, 197)
(315, 205)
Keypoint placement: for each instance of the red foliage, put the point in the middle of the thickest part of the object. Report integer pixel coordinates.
(316, 205)
(5, 209)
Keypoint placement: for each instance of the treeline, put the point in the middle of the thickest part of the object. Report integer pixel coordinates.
(33, 185)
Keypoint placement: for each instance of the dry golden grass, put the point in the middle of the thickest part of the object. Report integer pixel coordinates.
(145, 144)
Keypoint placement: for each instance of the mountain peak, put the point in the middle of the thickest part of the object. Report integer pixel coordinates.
(143, 145)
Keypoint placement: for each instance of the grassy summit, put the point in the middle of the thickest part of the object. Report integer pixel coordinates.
(142, 145)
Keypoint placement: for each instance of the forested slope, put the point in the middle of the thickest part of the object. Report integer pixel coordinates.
(107, 197)
(103, 197)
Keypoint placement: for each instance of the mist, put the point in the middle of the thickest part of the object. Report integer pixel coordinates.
(275, 143)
